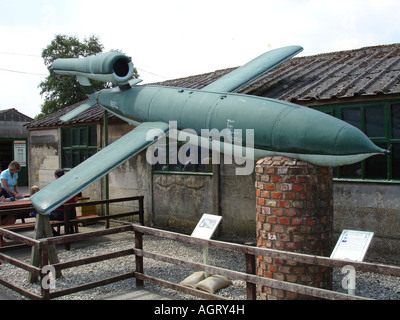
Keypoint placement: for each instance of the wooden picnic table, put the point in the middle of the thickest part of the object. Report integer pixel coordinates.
(24, 203)
(20, 208)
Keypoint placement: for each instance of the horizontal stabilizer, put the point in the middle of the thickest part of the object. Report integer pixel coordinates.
(58, 192)
(252, 70)
(77, 111)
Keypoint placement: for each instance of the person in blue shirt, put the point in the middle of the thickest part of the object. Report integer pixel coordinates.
(9, 179)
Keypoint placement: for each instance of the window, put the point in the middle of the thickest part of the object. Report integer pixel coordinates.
(178, 159)
(381, 123)
(78, 144)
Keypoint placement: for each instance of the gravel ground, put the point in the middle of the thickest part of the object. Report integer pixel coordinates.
(368, 284)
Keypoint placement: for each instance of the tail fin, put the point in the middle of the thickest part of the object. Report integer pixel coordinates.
(77, 111)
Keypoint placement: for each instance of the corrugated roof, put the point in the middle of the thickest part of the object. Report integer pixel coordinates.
(13, 114)
(367, 71)
(364, 72)
(94, 114)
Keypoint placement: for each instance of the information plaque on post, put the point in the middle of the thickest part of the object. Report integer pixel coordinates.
(206, 226)
(205, 230)
(352, 245)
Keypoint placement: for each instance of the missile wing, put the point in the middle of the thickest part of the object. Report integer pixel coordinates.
(97, 166)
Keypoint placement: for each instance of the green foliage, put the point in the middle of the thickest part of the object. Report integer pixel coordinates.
(62, 91)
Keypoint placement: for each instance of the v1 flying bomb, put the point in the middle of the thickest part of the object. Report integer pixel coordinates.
(280, 128)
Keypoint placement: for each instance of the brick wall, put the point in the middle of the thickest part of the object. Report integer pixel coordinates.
(294, 203)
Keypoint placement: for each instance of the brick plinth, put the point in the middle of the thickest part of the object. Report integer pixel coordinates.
(294, 213)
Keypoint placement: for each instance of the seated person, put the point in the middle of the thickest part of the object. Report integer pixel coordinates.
(34, 189)
(9, 180)
(58, 214)
(5, 196)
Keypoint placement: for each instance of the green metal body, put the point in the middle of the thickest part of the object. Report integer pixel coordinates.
(279, 128)
(108, 67)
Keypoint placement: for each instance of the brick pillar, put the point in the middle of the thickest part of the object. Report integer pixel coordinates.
(294, 213)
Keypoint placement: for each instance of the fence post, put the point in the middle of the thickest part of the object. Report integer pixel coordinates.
(44, 261)
(251, 288)
(66, 225)
(141, 209)
(139, 259)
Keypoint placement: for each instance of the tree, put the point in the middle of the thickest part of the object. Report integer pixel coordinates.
(62, 91)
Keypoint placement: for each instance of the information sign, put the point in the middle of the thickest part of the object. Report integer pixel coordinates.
(352, 245)
(206, 226)
(20, 152)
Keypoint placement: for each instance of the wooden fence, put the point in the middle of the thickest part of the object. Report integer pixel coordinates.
(140, 277)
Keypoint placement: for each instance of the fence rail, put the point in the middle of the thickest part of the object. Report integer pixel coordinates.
(139, 275)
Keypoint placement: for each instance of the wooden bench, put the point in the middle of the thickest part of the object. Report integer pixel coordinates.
(68, 223)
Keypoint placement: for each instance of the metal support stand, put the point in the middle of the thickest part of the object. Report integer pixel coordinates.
(43, 230)
(205, 260)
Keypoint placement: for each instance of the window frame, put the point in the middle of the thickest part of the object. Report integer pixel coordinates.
(88, 149)
(169, 170)
(336, 110)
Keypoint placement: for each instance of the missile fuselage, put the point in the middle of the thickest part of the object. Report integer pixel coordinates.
(279, 127)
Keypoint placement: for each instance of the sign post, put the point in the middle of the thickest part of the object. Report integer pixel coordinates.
(352, 245)
(205, 230)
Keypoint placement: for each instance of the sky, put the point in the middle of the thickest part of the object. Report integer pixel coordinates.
(179, 38)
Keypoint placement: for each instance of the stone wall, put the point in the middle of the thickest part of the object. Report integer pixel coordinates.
(370, 207)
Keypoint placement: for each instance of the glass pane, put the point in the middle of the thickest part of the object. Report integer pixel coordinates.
(376, 166)
(91, 152)
(67, 159)
(66, 137)
(396, 161)
(353, 171)
(83, 141)
(160, 159)
(375, 122)
(174, 167)
(83, 155)
(75, 137)
(205, 160)
(75, 158)
(92, 136)
(396, 120)
(352, 116)
(160, 167)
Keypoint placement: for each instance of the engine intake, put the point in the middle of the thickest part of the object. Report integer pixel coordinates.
(108, 67)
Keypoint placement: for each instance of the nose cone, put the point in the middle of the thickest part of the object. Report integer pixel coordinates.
(306, 131)
(351, 140)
